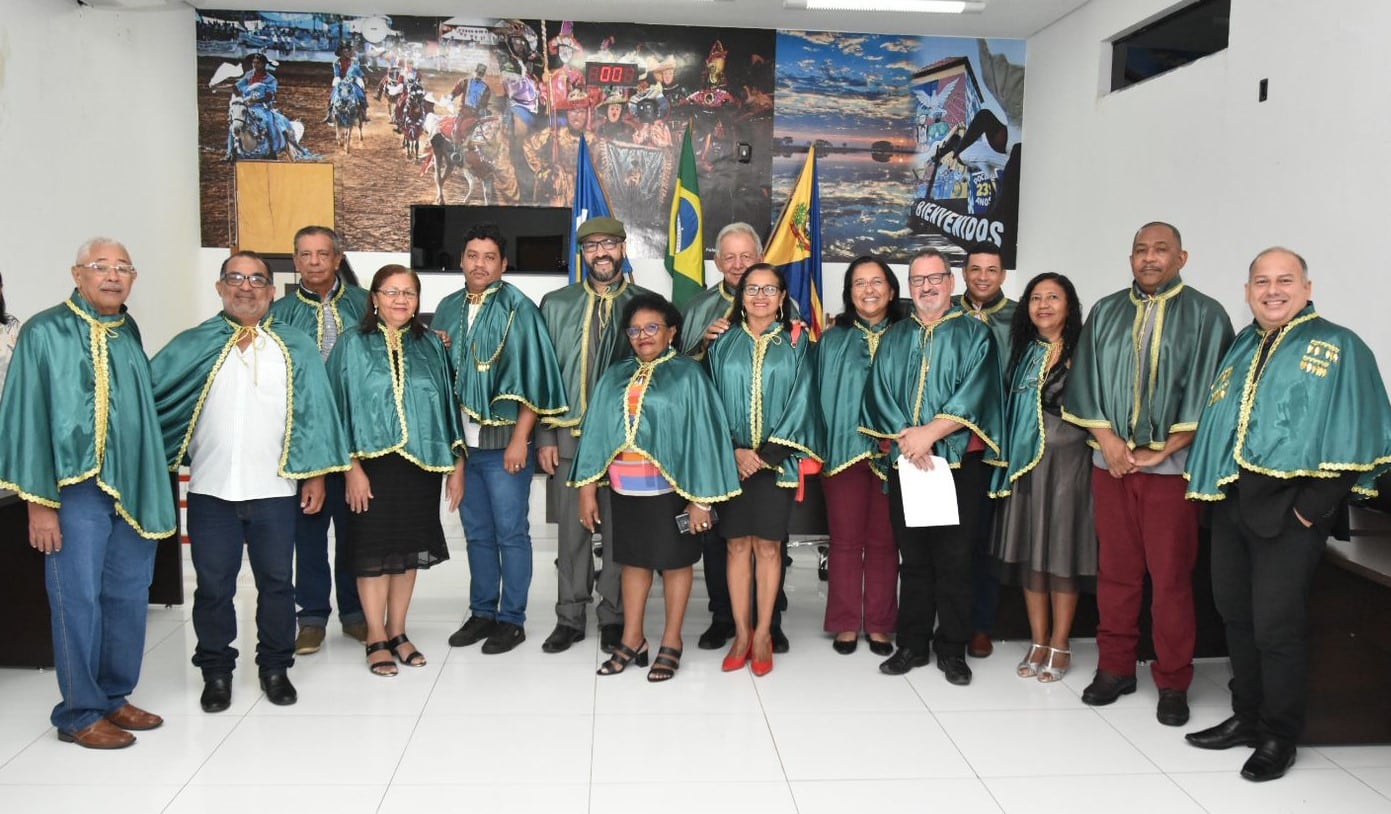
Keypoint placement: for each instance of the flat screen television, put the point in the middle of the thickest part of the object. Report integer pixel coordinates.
(538, 237)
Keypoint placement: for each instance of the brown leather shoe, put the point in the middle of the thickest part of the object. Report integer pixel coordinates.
(101, 735)
(134, 718)
(979, 647)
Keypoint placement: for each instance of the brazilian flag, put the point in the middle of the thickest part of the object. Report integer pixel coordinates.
(685, 231)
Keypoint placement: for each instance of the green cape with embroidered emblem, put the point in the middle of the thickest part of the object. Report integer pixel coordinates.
(1318, 409)
(998, 316)
(397, 396)
(569, 314)
(924, 372)
(679, 426)
(843, 355)
(1023, 439)
(1104, 389)
(184, 371)
(765, 387)
(50, 433)
(303, 309)
(504, 360)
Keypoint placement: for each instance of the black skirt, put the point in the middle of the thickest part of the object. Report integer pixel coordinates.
(761, 510)
(400, 531)
(645, 535)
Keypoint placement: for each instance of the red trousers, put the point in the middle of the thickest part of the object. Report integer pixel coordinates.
(1144, 525)
(862, 590)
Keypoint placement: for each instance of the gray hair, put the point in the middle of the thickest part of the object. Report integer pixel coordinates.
(739, 228)
(320, 230)
(85, 250)
(1303, 266)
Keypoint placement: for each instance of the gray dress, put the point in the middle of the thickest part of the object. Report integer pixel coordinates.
(1044, 537)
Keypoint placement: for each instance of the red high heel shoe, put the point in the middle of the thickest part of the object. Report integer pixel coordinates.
(761, 668)
(733, 662)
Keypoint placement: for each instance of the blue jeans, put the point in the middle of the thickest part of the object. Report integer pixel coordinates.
(216, 530)
(498, 535)
(98, 589)
(312, 578)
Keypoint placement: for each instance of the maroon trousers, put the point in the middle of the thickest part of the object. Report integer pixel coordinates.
(862, 590)
(1144, 525)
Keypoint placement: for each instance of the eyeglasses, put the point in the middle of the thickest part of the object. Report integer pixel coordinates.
(106, 268)
(236, 278)
(594, 245)
(876, 282)
(921, 280)
(650, 329)
(398, 293)
(769, 290)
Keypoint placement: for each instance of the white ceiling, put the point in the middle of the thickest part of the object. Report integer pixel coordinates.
(1017, 19)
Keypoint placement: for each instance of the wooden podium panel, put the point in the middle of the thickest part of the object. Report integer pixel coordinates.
(275, 198)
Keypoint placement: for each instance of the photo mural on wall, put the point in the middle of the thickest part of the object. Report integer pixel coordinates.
(421, 110)
(918, 139)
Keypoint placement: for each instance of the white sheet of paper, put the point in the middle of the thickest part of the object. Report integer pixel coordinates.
(929, 496)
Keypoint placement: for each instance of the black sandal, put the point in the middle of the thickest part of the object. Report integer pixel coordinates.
(415, 659)
(666, 664)
(385, 669)
(622, 656)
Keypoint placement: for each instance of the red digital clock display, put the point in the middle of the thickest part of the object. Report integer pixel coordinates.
(610, 73)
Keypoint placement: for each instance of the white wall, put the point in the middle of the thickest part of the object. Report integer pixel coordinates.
(98, 135)
(1310, 168)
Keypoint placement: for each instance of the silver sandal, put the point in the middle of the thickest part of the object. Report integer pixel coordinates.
(1028, 668)
(1050, 672)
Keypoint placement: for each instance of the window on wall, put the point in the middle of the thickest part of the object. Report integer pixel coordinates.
(1185, 34)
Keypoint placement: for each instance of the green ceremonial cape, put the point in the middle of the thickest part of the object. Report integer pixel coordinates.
(923, 372)
(764, 383)
(78, 405)
(569, 314)
(998, 316)
(504, 360)
(710, 305)
(303, 309)
(843, 356)
(395, 395)
(1023, 439)
(679, 426)
(184, 371)
(1104, 389)
(1317, 409)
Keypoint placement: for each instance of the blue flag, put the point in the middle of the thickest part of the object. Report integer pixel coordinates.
(590, 202)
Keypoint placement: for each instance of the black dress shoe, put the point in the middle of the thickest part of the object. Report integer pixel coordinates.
(904, 660)
(1231, 732)
(956, 670)
(845, 647)
(610, 636)
(278, 689)
(1106, 688)
(1173, 707)
(879, 648)
(505, 637)
(217, 693)
(561, 638)
(1272, 758)
(716, 635)
(780, 642)
(475, 630)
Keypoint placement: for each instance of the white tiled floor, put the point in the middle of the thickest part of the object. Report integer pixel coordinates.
(529, 732)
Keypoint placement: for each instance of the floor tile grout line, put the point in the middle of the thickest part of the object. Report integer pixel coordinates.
(935, 719)
(420, 716)
(763, 710)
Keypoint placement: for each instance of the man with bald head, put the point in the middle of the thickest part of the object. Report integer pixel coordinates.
(1297, 420)
(80, 442)
(1139, 380)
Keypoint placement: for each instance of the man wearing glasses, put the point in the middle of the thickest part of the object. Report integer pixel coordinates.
(245, 402)
(323, 306)
(1140, 378)
(583, 322)
(506, 376)
(934, 390)
(80, 442)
